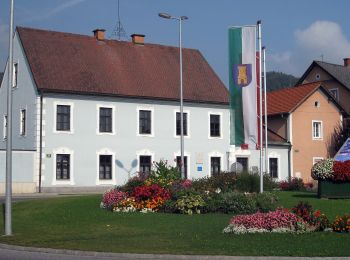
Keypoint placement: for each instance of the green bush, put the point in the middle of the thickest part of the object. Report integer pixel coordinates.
(247, 182)
(236, 203)
(265, 202)
(225, 182)
(190, 204)
(163, 174)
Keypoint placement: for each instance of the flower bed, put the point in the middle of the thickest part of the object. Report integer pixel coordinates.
(333, 178)
(300, 219)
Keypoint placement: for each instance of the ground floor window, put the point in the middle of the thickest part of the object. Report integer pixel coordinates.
(215, 165)
(273, 162)
(105, 167)
(178, 164)
(63, 166)
(145, 163)
(244, 162)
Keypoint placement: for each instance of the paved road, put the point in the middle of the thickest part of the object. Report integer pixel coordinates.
(8, 252)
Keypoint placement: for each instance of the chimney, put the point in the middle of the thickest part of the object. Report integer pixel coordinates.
(138, 39)
(347, 62)
(99, 34)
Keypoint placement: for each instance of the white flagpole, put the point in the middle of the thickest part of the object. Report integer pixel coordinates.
(8, 191)
(267, 168)
(260, 114)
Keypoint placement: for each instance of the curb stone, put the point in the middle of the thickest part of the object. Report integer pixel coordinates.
(157, 256)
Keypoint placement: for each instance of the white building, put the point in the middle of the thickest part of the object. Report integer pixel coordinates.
(89, 112)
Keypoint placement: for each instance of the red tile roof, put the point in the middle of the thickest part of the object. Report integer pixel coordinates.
(288, 99)
(71, 63)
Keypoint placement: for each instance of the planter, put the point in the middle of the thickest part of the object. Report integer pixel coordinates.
(328, 189)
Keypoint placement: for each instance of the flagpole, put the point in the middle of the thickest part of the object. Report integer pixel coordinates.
(8, 188)
(260, 110)
(267, 168)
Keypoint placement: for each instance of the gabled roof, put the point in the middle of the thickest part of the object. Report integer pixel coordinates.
(286, 100)
(72, 63)
(339, 72)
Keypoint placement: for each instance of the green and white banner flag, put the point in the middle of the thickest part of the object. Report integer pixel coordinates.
(243, 85)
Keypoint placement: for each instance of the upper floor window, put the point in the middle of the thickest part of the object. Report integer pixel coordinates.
(23, 122)
(215, 126)
(145, 122)
(105, 167)
(105, 120)
(62, 166)
(15, 75)
(215, 165)
(63, 118)
(335, 93)
(317, 130)
(178, 123)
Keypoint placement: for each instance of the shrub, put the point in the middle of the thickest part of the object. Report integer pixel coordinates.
(125, 205)
(322, 170)
(280, 220)
(134, 182)
(112, 197)
(190, 204)
(294, 184)
(341, 224)
(265, 202)
(236, 203)
(163, 174)
(225, 181)
(341, 171)
(315, 219)
(247, 182)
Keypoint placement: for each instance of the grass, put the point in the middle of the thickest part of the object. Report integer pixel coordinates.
(79, 223)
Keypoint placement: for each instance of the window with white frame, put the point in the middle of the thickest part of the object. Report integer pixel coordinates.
(178, 165)
(215, 125)
(63, 118)
(23, 118)
(62, 166)
(178, 123)
(317, 130)
(335, 93)
(273, 167)
(316, 159)
(105, 120)
(15, 74)
(215, 165)
(5, 126)
(105, 169)
(145, 122)
(145, 163)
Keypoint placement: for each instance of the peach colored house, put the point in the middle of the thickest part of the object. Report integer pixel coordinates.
(334, 77)
(306, 116)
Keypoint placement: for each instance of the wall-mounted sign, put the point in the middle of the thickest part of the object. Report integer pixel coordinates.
(48, 155)
(199, 158)
(199, 168)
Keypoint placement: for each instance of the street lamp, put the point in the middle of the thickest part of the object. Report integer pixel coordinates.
(180, 19)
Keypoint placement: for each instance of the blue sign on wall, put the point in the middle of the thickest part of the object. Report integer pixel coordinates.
(199, 168)
(344, 152)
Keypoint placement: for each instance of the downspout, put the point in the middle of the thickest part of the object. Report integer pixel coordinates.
(41, 139)
(289, 162)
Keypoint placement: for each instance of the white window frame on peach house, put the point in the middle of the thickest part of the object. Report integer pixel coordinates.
(320, 137)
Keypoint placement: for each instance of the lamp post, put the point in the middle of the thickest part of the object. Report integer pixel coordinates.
(180, 19)
(8, 187)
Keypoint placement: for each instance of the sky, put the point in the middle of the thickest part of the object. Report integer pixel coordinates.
(294, 32)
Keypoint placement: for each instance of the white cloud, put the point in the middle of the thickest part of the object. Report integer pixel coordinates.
(324, 38)
(54, 11)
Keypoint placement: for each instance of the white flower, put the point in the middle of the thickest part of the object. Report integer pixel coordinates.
(218, 190)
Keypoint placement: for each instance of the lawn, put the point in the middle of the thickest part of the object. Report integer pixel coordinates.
(79, 223)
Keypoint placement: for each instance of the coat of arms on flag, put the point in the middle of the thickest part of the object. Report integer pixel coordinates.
(242, 74)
